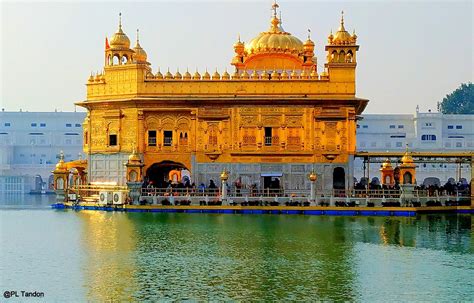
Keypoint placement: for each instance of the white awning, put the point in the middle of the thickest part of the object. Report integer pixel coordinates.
(272, 174)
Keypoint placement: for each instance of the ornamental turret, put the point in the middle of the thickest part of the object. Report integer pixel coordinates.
(140, 56)
(118, 52)
(342, 46)
(407, 169)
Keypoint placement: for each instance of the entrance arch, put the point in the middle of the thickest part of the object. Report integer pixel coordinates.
(158, 174)
(339, 178)
(407, 178)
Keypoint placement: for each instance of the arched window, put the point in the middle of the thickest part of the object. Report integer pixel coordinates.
(407, 178)
(349, 57)
(342, 56)
(334, 57)
(124, 59)
(116, 59)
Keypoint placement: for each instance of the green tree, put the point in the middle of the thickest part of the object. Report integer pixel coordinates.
(461, 101)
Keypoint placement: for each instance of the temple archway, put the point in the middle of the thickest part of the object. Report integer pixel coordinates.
(158, 174)
(407, 178)
(339, 178)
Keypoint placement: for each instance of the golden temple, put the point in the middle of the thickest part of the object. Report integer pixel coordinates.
(275, 117)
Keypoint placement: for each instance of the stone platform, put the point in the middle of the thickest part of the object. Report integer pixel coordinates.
(301, 210)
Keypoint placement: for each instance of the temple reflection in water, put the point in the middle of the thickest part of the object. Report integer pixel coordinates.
(184, 256)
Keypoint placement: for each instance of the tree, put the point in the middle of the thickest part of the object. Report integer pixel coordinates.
(461, 101)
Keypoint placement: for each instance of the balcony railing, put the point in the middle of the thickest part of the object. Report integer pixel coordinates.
(273, 140)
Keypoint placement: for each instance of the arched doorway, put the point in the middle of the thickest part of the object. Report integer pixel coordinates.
(407, 178)
(158, 174)
(339, 178)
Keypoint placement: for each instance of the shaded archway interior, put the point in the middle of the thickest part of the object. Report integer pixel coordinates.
(158, 173)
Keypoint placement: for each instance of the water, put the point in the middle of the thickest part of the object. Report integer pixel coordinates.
(106, 256)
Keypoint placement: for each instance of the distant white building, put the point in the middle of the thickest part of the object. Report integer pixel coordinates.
(422, 132)
(30, 143)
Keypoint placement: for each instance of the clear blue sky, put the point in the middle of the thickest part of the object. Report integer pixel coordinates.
(411, 52)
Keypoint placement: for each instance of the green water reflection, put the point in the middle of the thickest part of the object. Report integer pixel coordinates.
(144, 256)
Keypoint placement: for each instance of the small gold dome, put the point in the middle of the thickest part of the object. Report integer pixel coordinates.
(206, 76)
(168, 75)
(284, 75)
(140, 54)
(294, 75)
(216, 75)
(236, 75)
(244, 75)
(275, 75)
(407, 158)
(224, 175)
(324, 74)
(187, 75)
(225, 76)
(312, 176)
(91, 78)
(197, 76)
(120, 40)
(386, 164)
(342, 36)
(134, 157)
(255, 75)
(308, 45)
(330, 38)
(178, 75)
(61, 165)
(159, 75)
(239, 46)
(314, 74)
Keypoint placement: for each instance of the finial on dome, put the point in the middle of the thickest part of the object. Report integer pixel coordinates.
(120, 21)
(274, 8)
(281, 20)
(341, 28)
(138, 36)
(309, 34)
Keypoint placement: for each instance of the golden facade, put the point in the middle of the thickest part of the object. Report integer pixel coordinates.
(253, 121)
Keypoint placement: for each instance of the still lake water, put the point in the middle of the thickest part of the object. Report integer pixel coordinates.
(106, 256)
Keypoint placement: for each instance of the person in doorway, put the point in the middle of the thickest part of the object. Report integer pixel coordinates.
(212, 184)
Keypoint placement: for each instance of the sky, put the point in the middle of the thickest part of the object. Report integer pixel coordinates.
(411, 52)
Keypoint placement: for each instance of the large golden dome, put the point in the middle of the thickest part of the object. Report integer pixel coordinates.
(120, 40)
(275, 39)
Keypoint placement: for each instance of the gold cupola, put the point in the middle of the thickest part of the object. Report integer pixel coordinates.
(342, 37)
(274, 47)
(119, 40)
(140, 54)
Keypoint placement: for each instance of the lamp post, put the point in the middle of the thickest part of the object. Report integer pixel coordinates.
(224, 178)
(312, 178)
